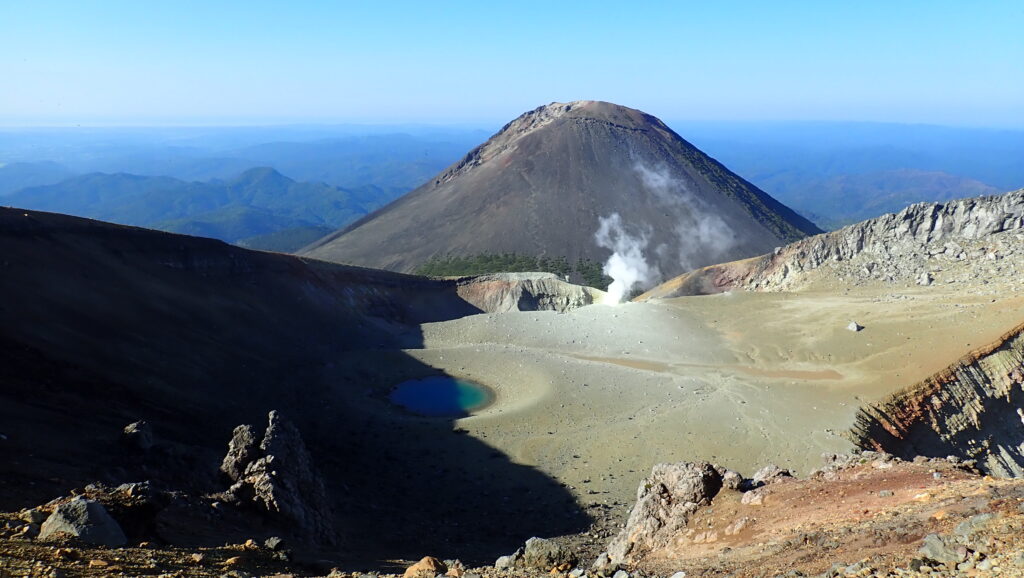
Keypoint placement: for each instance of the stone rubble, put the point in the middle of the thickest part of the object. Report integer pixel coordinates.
(952, 242)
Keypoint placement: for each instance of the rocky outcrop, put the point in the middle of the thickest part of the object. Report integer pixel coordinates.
(279, 478)
(84, 520)
(974, 409)
(243, 449)
(908, 246)
(138, 435)
(665, 501)
(504, 292)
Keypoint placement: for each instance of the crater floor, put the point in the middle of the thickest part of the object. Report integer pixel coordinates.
(596, 396)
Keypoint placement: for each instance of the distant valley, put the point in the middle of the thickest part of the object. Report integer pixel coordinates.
(260, 208)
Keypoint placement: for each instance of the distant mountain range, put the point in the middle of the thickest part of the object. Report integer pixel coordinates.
(846, 199)
(392, 158)
(17, 176)
(837, 173)
(260, 208)
(832, 173)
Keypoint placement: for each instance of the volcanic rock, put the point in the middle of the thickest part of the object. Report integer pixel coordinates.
(664, 503)
(770, 474)
(541, 554)
(86, 520)
(970, 411)
(731, 480)
(510, 561)
(138, 435)
(242, 451)
(752, 498)
(33, 516)
(427, 567)
(504, 292)
(279, 478)
(544, 183)
(897, 247)
(943, 550)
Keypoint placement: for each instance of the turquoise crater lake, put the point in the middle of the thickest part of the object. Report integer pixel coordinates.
(441, 396)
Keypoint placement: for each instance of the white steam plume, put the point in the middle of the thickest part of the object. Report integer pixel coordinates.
(702, 234)
(627, 266)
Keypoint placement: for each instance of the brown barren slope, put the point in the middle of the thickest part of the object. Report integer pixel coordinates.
(541, 185)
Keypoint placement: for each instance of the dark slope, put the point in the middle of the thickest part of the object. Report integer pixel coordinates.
(102, 325)
(541, 185)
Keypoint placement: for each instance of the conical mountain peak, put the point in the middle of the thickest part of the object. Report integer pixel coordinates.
(549, 181)
(556, 116)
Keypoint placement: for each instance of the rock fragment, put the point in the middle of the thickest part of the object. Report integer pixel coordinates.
(732, 480)
(138, 435)
(33, 516)
(242, 450)
(510, 561)
(427, 567)
(770, 474)
(85, 520)
(942, 550)
(973, 524)
(665, 501)
(542, 554)
(752, 498)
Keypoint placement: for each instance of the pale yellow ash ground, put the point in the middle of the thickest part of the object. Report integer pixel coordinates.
(596, 396)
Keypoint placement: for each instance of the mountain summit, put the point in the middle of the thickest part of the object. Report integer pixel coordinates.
(579, 180)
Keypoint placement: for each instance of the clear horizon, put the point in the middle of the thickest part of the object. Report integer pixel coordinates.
(123, 64)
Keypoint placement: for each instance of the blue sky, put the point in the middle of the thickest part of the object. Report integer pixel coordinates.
(938, 62)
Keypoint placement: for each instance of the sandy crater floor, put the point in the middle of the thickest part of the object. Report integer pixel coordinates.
(596, 396)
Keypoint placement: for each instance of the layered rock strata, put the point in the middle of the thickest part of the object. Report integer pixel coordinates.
(973, 409)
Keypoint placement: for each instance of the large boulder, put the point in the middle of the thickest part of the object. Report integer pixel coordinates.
(427, 567)
(279, 478)
(543, 555)
(84, 520)
(665, 501)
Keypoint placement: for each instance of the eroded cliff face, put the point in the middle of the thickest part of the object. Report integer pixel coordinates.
(954, 241)
(974, 409)
(504, 292)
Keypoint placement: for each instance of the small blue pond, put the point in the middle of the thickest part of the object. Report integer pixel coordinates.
(441, 396)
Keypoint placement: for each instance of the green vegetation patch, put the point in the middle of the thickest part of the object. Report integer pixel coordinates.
(583, 271)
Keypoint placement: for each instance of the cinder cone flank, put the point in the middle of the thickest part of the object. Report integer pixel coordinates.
(541, 185)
